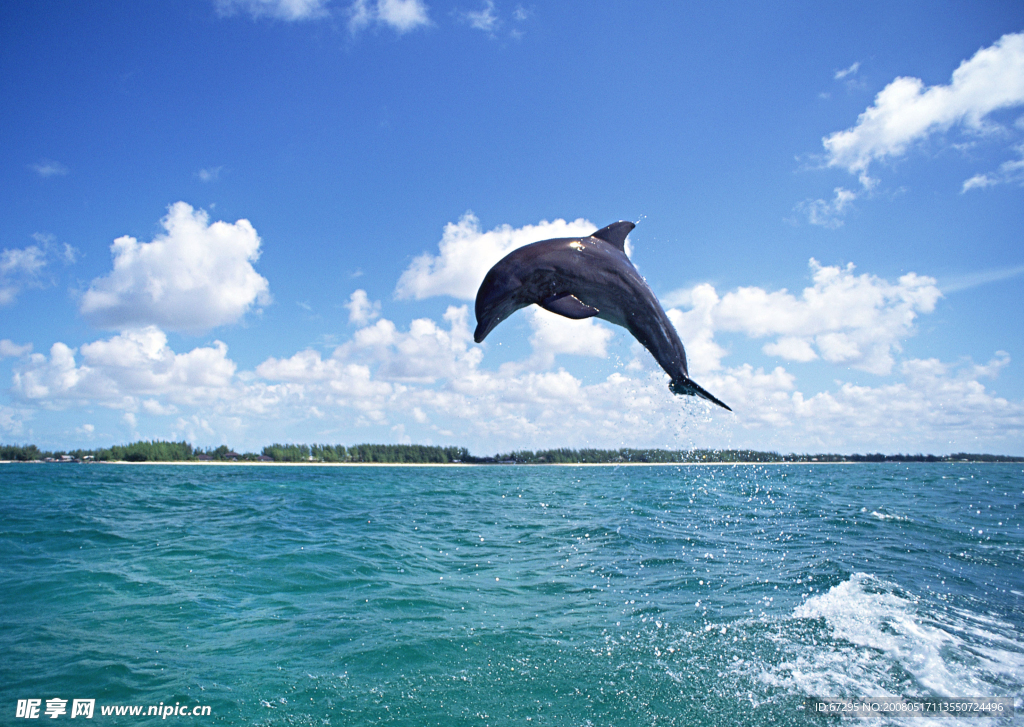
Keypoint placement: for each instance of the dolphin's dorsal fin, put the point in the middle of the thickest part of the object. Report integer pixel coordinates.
(568, 305)
(615, 234)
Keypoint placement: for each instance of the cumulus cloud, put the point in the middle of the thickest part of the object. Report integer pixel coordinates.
(401, 16)
(931, 406)
(280, 9)
(930, 403)
(194, 277)
(10, 349)
(360, 309)
(696, 328)
(906, 112)
(848, 319)
(791, 348)
(554, 335)
(115, 372)
(431, 379)
(424, 354)
(428, 381)
(934, 400)
(389, 377)
(466, 253)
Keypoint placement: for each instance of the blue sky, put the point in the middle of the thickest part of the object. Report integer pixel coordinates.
(253, 221)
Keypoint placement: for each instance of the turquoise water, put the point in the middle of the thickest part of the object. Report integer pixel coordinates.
(701, 595)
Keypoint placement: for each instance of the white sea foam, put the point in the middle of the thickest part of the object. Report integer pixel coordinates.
(882, 641)
(889, 516)
(866, 614)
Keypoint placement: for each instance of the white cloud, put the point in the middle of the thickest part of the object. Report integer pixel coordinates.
(979, 181)
(152, 406)
(210, 174)
(49, 168)
(466, 253)
(281, 9)
(69, 254)
(9, 349)
(25, 261)
(1009, 172)
(931, 406)
(424, 354)
(19, 268)
(194, 277)
(430, 378)
(360, 309)
(696, 328)
(401, 16)
(554, 334)
(854, 320)
(847, 71)
(194, 429)
(12, 421)
(115, 372)
(22, 268)
(483, 19)
(828, 213)
(966, 281)
(933, 398)
(791, 348)
(906, 112)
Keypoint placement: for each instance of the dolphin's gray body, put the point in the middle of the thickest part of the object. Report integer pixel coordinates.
(580, 277)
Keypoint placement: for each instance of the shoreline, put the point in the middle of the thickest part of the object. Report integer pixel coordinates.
(484, 464)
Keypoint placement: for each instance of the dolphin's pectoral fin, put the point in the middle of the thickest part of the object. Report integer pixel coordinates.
(568, 305)
(615, 234)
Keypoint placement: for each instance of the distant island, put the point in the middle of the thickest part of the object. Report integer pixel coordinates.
(160, 451)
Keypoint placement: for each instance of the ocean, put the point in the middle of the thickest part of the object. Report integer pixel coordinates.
(508, 595)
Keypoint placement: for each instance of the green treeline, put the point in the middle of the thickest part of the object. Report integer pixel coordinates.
(155, 451)
(642, 456)
(146, 452)
(14, 453)
(661, 456)
(159, 451)
(387, 453)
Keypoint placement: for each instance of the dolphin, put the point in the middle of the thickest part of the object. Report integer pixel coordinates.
(581, 277)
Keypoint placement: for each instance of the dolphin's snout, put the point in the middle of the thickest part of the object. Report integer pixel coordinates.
(482, 329)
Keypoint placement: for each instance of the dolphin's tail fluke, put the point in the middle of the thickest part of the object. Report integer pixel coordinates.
(689, 387)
